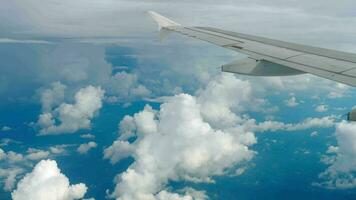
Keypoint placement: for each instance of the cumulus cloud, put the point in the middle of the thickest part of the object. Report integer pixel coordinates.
(58, 149)
(210, 126)
(15, 164)
(85, 148)
(72, 117)
(14, 157)
(10, 176)
(339, 91)
(325, 122)
(199, 150)
(223, 97)
(46, 182)
(181, 142)
(321, 108)
(292, 102)
(125, 85)
(342, 170)
(36, 154)
(52, 97)
(118, 150)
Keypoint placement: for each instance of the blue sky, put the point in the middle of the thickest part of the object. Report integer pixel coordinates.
(93, 106)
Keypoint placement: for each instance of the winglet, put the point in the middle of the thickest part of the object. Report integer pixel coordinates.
(162, 21)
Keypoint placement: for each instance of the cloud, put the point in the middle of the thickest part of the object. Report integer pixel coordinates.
(87, 136)
(72, 117)
(292, 102)
(84, 148)
(36, 154)
(2, 154)
(339, 91)
(321, 108)
(52, 97)
(58, 149)
(46, 182)
(341, 173)
(7, 141)
(189, 194)
(118, 150)
(200, 150)
(222, 96)
(9, 40)
(14, 157)
(45, 18)
(210, 126)
(125, 85)
(10, 176)
(15, 164)
(314, 134)
(6, 128)
(325, 122)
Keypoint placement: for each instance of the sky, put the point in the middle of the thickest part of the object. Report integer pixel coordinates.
(94, 106)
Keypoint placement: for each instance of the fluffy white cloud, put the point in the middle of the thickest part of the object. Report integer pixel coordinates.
(292, 102)
(15, 164)
(58, 149)
(189, 195)
(176, 143)
(207, 134)
(52, 97)
(125, 85)
(339, 91)
(342, 170)
(325, 122)
(84, 148)
(321, 108)
(118, 150)
(36, 154)
(224, 95)
(14, 157)
(10, 176)
(72, 117)
(46, 182)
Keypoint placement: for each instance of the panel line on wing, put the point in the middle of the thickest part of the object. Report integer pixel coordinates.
(260, 40)
(312, 67)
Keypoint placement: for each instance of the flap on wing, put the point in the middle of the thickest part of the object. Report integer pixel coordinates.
(254, 67)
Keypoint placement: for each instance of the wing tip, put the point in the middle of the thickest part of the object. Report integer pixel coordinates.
(161, 20)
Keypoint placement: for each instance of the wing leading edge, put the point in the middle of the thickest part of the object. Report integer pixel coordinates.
(272, 57)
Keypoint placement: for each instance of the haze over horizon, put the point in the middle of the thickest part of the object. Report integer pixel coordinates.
(94, 106)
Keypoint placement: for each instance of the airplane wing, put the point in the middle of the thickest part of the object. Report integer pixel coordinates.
(268, 57)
